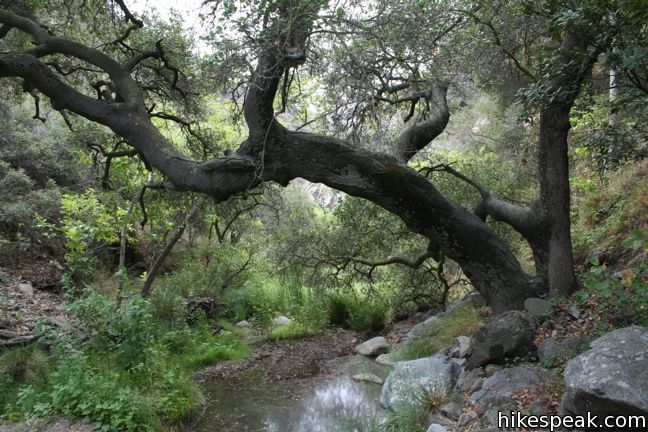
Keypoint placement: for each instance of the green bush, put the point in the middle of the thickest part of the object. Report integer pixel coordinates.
(167, 305)
(80, 390)
(357, 312)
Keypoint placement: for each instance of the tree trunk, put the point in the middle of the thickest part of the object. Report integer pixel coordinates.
(157, 264)
(555, 198)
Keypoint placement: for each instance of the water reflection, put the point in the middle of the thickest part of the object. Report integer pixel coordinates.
(317, 405)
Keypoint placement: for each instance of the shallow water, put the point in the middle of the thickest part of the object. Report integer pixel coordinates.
(319, 404)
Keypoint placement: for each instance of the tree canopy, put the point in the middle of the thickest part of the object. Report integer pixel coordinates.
(348, 94)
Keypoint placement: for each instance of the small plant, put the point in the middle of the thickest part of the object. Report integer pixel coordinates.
(623, 294)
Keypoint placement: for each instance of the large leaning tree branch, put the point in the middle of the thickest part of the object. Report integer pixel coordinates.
(524, 219)
(273, 153)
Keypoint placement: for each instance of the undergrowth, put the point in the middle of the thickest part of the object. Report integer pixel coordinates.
(127, 370)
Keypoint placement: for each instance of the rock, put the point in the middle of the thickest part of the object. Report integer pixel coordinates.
(26, 289)
(575, 312)
(470, 381)
(505, 336)
(424, 328)
(466, 418)
(452, 410)
(551, 351)
(408, 379)
(612, 377)
(243, 324)
(440, 420)
(490, 369)
(537, 307)
(461, 347)
(498, 390)
(435, 427)
(368, 377)
(373, 347)
(281, 321)
(385, 359)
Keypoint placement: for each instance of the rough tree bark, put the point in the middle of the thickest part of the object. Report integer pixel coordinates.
(273, 153)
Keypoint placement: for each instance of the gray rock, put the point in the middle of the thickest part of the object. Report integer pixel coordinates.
(243, 324)
(26, 289)
(505, 336)
(452, 410)
(440, 420)
(490, 369)
(435, 427)
(498, 390)
(424, 328)
(470, 381)
(281, 321)
(551, 351)
(612, 377)
(368, 377)
(461, 347)
(409, 379)
(575, 312)
(385, 359)
(373, 347)
(537, 307)
(466, 418)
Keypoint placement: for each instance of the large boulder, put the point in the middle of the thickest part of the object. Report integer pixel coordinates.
(552, 351)
(499, 389)
(408, 380)
(537, 307)
(373, 347)
(505, 336)
(612, 377)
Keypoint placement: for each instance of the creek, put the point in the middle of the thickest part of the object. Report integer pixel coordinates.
(323, 403)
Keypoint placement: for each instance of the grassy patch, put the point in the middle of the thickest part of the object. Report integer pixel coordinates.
(464, 320)
(291, 331)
